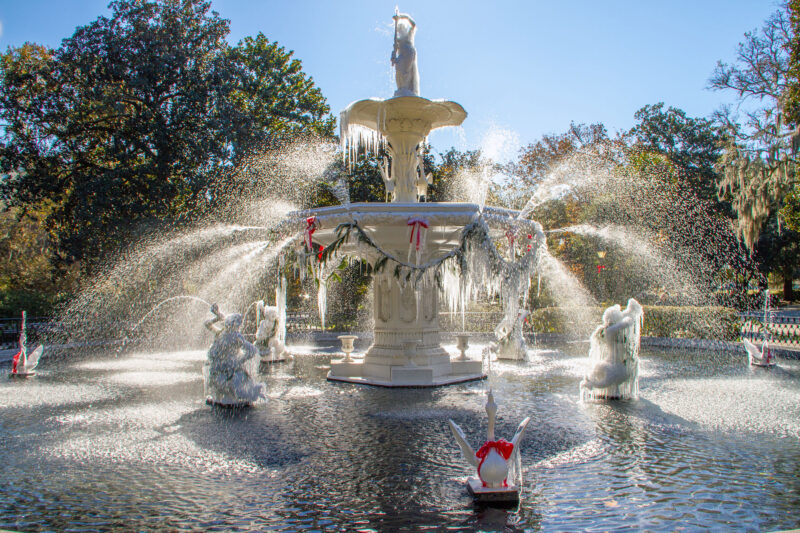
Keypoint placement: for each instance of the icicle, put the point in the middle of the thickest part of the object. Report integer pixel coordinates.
(280, 302)
(322, 301)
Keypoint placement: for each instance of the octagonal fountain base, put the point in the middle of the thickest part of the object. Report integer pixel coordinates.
(406, 376)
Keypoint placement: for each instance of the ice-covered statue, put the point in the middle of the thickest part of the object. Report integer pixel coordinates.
(510, 339)
(232, 364)
(404, 56)
(614, 355)
(497, 462)
(268, 333)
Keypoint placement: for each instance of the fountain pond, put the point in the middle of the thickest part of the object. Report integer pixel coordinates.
(127, 442)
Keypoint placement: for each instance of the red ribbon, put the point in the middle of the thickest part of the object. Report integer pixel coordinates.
(16, 361)
(502, 446)
(510, 236)
(417, 224)
(600, 268)
(319, 255)
(311, 227)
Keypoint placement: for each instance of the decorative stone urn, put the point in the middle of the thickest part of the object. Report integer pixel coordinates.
(347, 346)
(462, 345)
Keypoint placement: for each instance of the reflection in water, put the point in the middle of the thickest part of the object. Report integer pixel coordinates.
(128, 443)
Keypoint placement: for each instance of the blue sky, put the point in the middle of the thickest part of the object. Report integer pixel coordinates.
(520, 69)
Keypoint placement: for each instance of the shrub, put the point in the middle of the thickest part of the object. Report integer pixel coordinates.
(711, 322)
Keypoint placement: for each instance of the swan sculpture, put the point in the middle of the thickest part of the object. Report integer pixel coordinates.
(756, 357)
(492, 460)
(614, 355)
(24, 364)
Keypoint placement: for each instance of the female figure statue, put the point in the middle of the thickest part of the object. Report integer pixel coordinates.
(404, 56)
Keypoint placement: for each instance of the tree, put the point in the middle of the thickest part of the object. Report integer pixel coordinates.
(691, 144)
(758, 164)
(271, 99)
(540, 163)
(127, 124)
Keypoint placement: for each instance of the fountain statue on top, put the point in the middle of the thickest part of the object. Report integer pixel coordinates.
(232, 364)
(614, 354)
(495, 461)
(404, 55)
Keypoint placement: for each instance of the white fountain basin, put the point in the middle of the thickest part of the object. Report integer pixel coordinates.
(402, 312)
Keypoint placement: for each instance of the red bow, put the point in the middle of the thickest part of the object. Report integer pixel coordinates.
(510, 236)
(600, 268)
(311, 227)
(416, 224)
(502, 446)
(16, 361)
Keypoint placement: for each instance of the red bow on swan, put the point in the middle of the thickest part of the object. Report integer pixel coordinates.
(502, 446)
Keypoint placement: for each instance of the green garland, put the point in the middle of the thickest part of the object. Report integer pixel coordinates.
(473, 233)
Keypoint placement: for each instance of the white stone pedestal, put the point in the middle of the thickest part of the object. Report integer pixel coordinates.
(403, 314)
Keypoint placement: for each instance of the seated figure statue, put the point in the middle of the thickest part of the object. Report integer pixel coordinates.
(614, 354)
(267, 334)
(232, 363)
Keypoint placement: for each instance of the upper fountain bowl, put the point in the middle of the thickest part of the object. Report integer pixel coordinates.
(402, 114)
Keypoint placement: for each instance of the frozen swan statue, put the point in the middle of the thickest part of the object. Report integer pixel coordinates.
(614, 355)
(496, 461)
(24, 364)
(232, 364)
(756, 357)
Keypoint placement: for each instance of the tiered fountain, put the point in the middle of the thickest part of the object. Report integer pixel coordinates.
(416, 243)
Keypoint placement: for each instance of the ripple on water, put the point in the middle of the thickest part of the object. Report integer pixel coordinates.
(35, 393)
(749, 404)
(151, 378)
(133, 363)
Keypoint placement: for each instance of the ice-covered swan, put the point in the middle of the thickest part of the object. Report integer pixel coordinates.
(614, 355)
(232, 364)
(756, 357)
(493, 460)
(24, 364)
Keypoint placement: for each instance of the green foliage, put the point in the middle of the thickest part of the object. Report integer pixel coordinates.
(124, 127)
(758, 167)
(692, 145)
(659, 321)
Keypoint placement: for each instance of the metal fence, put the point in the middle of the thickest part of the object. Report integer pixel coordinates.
(35, 329)
(778, 330)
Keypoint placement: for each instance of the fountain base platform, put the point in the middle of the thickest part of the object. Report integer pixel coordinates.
(265, 361)
(406, 375)
(503, 495)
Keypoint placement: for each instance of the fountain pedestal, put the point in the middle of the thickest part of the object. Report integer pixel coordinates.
(402, 311)
(403, 314)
